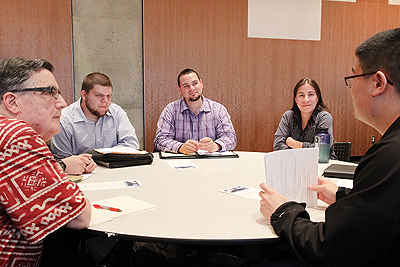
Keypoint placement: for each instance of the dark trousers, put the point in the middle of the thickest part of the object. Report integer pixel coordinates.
(62, 248)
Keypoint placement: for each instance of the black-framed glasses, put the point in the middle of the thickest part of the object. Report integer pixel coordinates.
(350, 79)
(50, 89)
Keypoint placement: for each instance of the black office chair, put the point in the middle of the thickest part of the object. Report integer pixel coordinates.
(342, 150)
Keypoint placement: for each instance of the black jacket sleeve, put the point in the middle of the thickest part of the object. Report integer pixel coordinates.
(360, 229)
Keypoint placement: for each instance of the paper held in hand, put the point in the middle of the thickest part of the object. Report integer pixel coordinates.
(289, 172)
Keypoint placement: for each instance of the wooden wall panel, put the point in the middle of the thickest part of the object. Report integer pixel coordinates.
(254, 77)
(39, 29)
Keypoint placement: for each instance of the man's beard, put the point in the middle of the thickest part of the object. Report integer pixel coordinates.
(95, 112)
(195, 98)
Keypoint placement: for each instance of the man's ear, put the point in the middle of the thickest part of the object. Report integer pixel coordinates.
(10, 102)
(380, 83)
(180, 90)
(83, 94)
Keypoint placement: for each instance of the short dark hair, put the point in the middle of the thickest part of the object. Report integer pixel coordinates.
(185, 72)
(95, 78)
(382, 52)
(14, 72)
(320, 105)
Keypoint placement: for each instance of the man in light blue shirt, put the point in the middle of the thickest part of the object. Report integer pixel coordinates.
(93, 121)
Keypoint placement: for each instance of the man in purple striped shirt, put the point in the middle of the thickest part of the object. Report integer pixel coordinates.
(194, 122)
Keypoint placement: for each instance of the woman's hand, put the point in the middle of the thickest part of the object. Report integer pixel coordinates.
(293, 143)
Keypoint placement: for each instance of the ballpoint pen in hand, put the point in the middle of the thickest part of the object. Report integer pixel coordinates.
(97, 206)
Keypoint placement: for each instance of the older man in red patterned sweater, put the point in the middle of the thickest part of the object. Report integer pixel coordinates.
(36, 199)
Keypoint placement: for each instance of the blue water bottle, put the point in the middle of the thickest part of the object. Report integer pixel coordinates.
(323, 141)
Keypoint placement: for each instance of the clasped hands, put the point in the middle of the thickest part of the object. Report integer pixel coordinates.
(206, 143)
(271, 200)
(79, 164)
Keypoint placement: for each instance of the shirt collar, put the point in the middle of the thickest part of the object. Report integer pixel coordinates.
(205, 107)
(80, 116)
(312, 119)
(394, 126)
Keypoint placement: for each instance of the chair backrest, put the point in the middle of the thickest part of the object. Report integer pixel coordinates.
(342, 150)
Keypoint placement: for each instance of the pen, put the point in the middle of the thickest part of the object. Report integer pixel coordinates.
(184, 167)
(97, 206)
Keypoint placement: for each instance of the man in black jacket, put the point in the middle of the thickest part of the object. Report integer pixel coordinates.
(362, 227)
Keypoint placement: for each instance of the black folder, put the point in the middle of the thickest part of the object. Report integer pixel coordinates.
(117, 160)
(340, 171)
(125, 163)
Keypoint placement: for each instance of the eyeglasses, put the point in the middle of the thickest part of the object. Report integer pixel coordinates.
(350, 79)
(49, 89)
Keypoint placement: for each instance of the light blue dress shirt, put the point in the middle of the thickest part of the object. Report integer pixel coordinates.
(79, 134)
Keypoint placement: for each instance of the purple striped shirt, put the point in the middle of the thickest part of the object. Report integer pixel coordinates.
(178, 123)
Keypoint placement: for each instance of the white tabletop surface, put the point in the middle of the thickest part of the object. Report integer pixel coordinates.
(189, 207)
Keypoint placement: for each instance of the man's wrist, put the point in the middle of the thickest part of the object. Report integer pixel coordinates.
(218, 146)
(281, 210)
(179, 149)
(62, 164)
(342, 192)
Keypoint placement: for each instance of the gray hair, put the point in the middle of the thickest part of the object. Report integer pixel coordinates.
(15, 71)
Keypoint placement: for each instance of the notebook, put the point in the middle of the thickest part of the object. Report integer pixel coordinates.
(125, 204)
(121, 159)
(340, 171)
(125, 163)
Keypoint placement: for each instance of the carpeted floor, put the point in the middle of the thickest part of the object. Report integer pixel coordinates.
(171, 255)
(142, 254)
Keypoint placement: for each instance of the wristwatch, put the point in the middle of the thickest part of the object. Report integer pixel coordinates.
(279, 211)
(342, 192)
(62, 164)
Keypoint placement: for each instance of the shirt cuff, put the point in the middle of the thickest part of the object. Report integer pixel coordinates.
(342, 192)
(306, 144)
(282, 209)
(221, 144)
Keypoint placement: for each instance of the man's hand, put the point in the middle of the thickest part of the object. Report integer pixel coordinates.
(270, 200)
(208, 144)
(326, 190)
(79, 164)
(189, 147)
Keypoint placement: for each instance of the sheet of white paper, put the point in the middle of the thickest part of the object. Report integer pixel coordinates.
(394, 2)
(86, 176)
(174, 155)
(345, 183)
(243, 191)
(285, 19)
(181, 164)
(218, 153)
(343, 0)
(109, 185)
(126, 203)
(120, 149)
(289, 172)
